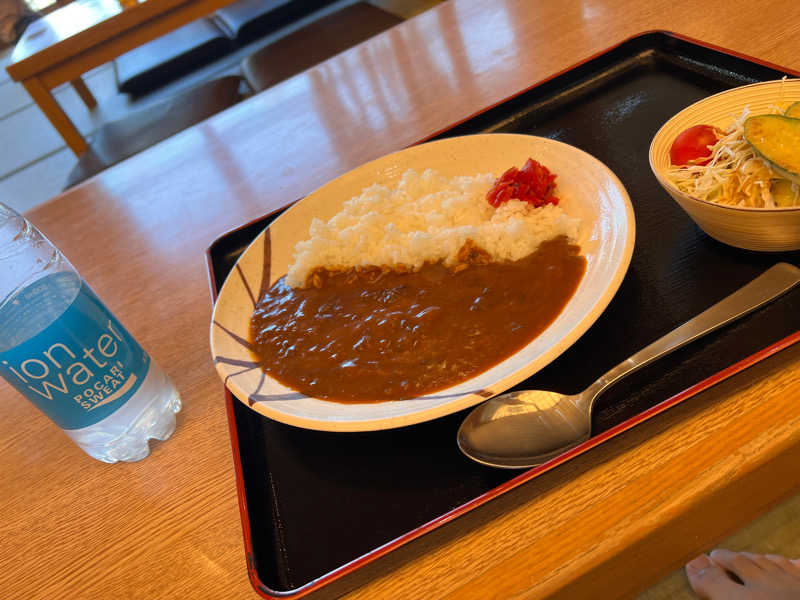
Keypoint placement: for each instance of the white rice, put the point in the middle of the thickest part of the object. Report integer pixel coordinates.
(426, 218)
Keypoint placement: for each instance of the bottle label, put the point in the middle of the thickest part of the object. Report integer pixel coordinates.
(79, 368)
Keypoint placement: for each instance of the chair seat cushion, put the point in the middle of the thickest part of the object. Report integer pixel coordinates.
(174, 54)
(315, 43)
(117, 140)
(247, 20)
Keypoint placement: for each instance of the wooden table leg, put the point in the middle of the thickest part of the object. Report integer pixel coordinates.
(84, 92)
(41, 95)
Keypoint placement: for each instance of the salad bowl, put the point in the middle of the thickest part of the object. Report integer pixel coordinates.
(761, 229)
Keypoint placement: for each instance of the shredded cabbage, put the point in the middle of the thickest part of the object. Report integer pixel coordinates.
(736, 175)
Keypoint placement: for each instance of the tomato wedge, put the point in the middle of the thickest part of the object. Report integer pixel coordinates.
(693, 146)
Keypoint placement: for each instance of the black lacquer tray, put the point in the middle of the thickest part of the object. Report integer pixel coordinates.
(320, 510)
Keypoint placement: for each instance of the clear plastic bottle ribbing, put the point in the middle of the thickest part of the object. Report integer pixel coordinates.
(27, 257)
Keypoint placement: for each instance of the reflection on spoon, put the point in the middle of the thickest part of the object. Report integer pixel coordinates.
(527, 428)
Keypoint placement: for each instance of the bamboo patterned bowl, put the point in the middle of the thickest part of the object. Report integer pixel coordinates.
(762, 229)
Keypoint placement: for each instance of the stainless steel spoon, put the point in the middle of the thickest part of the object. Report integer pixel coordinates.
(527, 428)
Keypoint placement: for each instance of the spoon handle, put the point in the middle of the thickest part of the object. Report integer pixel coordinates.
(763, 289)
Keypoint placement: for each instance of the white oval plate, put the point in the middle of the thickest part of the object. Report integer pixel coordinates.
(587, 189)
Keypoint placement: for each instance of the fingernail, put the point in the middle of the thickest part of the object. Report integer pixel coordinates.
(699, 563)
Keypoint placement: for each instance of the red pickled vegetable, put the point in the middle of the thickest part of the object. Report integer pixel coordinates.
(533, 183)
(692, 147)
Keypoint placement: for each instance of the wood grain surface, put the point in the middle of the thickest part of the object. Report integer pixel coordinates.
(613, 520)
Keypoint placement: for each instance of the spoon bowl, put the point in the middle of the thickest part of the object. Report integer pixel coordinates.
(523, 429)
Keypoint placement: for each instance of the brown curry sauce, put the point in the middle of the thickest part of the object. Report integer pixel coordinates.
(405, 335)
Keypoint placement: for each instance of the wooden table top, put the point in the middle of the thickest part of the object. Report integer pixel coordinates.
(78, 27)
(615, 518)
(85, 34)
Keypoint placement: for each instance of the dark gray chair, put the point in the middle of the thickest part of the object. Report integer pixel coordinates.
(117, 140)
(247, 20)
(170, 56)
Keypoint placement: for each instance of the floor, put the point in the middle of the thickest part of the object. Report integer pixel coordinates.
(776, 532)
(35, 162)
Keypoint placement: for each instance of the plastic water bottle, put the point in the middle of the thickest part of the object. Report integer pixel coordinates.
(65, 352)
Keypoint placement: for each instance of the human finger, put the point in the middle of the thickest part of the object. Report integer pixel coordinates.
(767, 564)
(786, 564)
(737, 563)
(709, 580)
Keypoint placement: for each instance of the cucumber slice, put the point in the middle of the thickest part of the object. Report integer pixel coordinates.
(777, 139)
(783, 193)
(793, 111)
